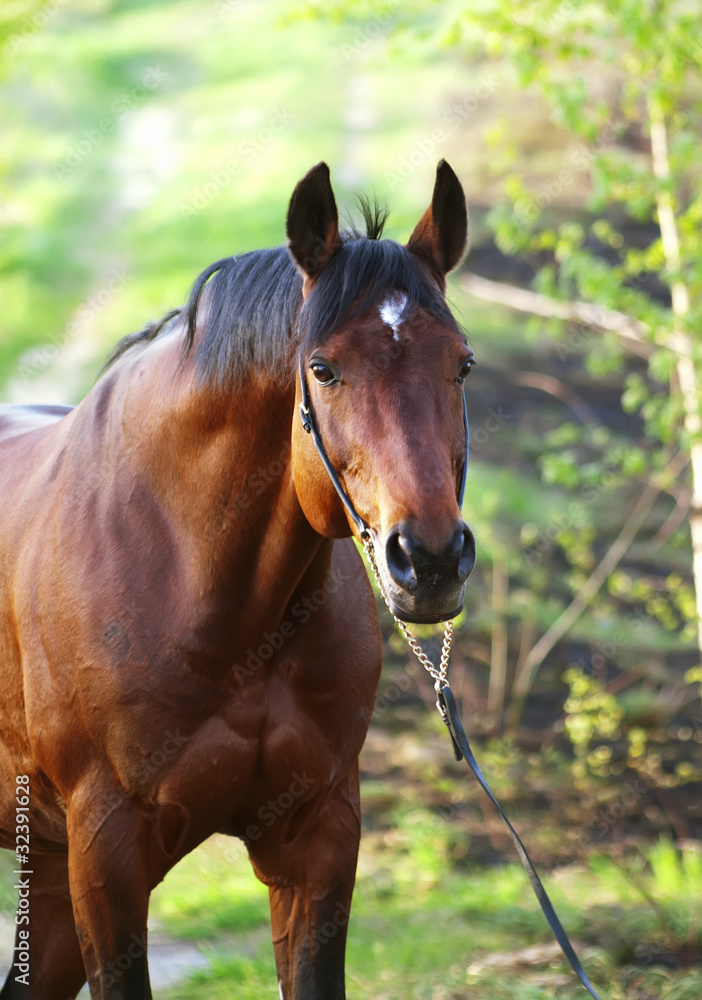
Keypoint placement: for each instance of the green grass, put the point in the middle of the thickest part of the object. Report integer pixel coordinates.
(212, 891)
(420, 929)
(8, 896)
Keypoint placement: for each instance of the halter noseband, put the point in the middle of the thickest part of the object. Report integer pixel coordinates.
(310, 425)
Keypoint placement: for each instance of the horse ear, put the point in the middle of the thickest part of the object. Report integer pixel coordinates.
(441, 235)
(313, 222)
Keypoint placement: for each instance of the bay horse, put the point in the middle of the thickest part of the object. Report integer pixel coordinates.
(188, 639)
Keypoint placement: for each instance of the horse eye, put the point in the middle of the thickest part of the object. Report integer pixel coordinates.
(464, 370)
(323, 373)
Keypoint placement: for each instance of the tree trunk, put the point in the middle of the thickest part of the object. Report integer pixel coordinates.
(681, 342)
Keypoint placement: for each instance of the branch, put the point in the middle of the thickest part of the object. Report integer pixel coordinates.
(589, 589)
(498, 657)
(683, 502)
(537, 380)
(632, 331)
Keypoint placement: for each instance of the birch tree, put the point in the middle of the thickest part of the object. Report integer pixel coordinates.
(623, 79)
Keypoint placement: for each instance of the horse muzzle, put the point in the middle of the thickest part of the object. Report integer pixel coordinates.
(423, 585)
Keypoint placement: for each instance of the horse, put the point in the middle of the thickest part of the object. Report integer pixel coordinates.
(189, 642)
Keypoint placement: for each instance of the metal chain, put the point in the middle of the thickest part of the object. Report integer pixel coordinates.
(462, 750)
(438, 673)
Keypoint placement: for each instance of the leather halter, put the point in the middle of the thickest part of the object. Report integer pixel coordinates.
(310, 425)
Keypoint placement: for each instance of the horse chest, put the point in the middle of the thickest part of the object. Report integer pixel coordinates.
(273, 739)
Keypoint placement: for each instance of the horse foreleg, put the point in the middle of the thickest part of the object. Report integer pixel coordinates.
(47, 957)
(310, 914)
(110, 857)
(309, 939)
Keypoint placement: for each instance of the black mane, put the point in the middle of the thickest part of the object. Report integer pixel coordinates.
(252, 303)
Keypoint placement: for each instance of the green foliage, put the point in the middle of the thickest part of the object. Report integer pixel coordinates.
(19, 19)
(677, 873)
(622, 84)
(591, 712)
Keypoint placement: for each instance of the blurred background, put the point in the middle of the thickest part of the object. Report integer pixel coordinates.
(143, 140)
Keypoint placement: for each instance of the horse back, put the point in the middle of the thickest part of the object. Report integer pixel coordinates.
(31, 440)
(16, 420)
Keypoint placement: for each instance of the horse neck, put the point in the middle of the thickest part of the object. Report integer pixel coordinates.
(219, 465)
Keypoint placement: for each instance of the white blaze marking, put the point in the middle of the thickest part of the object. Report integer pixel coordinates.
(280, 990)
(391, 312)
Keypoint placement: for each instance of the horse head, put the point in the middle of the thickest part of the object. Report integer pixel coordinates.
(382, 367)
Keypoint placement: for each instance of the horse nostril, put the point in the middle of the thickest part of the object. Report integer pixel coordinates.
(410, 564)
(398, 556)
(466, 562)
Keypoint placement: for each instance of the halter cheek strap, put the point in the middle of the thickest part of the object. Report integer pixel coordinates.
(464, 473)
(308, 422)
(310, 425)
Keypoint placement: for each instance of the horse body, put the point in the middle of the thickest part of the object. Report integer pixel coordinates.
(150, 692)
(188, 642)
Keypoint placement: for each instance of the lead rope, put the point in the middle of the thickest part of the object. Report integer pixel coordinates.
(449, 714)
